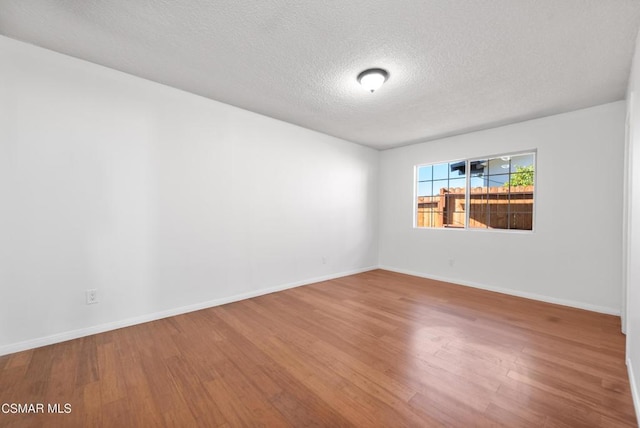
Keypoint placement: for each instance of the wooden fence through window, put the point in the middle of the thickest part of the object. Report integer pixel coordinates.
(499, 207)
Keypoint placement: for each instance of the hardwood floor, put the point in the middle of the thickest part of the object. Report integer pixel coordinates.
(374, 349)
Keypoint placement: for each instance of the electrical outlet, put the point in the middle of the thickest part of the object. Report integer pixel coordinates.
(324, 260)
(92, 296)
(451, 262)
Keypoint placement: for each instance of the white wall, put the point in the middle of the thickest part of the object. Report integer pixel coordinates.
(632, 242)
(574, 255)
(162, 200)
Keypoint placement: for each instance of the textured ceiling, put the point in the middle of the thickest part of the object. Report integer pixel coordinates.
(455, 66)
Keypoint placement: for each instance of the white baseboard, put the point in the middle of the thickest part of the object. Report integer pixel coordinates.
(75, 334)
(526, 295)
(634, 390)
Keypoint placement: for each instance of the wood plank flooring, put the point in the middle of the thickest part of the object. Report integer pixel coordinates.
(374, 349)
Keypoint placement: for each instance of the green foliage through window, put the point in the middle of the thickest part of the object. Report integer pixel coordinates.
(522, 177)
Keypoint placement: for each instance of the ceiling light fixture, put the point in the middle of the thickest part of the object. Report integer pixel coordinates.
(373, 78)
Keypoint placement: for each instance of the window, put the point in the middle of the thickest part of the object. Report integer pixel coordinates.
(487, 193)
(441, 195)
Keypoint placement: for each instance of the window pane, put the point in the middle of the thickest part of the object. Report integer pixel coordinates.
(424, 173)
(438, 219)
(457, 172)
(479, 167)
(478, 206)
(521, 220)
(525, 160)
(521, 208)
(524, 176)
(424, 189)
(455, 214)
(499, 165)
(441, 171)
(498, 180)
(477, 181)
(425, 215)
(457, 183)
(440, 184)
(478, 211)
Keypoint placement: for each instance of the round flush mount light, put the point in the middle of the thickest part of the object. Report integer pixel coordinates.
(373, 78)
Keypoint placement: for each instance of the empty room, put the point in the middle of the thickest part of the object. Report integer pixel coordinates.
(276, 213)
